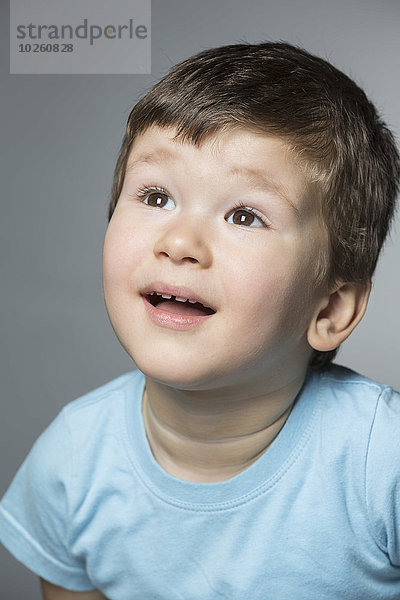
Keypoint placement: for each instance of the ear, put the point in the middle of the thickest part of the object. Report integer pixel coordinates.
(337, 315)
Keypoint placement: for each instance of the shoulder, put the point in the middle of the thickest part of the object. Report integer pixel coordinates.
(81, 427)
(366, 412)
(81, 449)
(367, 421)
(367, 404)
(343, 379)
(95, 407)
(353, 395)
(382, 474)
(70, 468)
(95, 423)
(118, 386)
(357, 419)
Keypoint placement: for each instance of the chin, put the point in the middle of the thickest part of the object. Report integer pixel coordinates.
(178, 374)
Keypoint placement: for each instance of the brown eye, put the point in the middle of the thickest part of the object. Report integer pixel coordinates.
(242, 217)
(158, 199)
(245, 217)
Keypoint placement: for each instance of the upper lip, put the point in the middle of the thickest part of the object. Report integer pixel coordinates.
(180, 291)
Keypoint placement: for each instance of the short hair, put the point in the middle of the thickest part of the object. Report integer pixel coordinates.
(326, 118)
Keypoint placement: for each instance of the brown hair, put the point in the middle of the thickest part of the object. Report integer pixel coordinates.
(327, 119)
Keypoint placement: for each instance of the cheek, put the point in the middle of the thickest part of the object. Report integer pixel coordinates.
(122, 256)
(123, 252)
(270, 289)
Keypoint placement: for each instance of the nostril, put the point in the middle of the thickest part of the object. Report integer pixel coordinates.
(188, 258)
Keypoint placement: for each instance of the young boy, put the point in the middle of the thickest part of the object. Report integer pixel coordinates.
(253, 192)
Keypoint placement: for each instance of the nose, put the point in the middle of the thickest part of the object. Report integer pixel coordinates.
(184, 242)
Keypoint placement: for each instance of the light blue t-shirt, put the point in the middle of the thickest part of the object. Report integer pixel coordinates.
(317, 516)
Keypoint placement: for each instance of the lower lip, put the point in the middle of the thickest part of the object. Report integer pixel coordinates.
(173, 321)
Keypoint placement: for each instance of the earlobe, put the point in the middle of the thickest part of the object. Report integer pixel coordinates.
(337, 315)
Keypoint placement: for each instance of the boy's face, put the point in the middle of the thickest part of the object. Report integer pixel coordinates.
(230, 223)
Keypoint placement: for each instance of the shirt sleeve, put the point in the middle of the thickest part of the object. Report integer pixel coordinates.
(383, 475)
(35, 511)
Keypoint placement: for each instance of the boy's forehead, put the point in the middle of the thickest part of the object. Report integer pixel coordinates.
(157, 144)
(238, 150)
(239, 154)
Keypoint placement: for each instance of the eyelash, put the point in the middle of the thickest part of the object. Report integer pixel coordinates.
(146, 190)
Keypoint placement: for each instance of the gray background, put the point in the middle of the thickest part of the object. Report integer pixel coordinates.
(60, 139)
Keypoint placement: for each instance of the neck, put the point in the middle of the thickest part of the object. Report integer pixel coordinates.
(207, 437)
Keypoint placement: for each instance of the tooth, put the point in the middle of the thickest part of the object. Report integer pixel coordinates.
(178, 299)
(192, 301)
(166, 296)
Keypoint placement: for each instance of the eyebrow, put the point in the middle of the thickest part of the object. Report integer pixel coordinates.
(264, 181)
(159, 157)
(253, 176)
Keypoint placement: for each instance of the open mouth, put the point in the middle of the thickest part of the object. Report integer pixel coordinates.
(178, 305)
